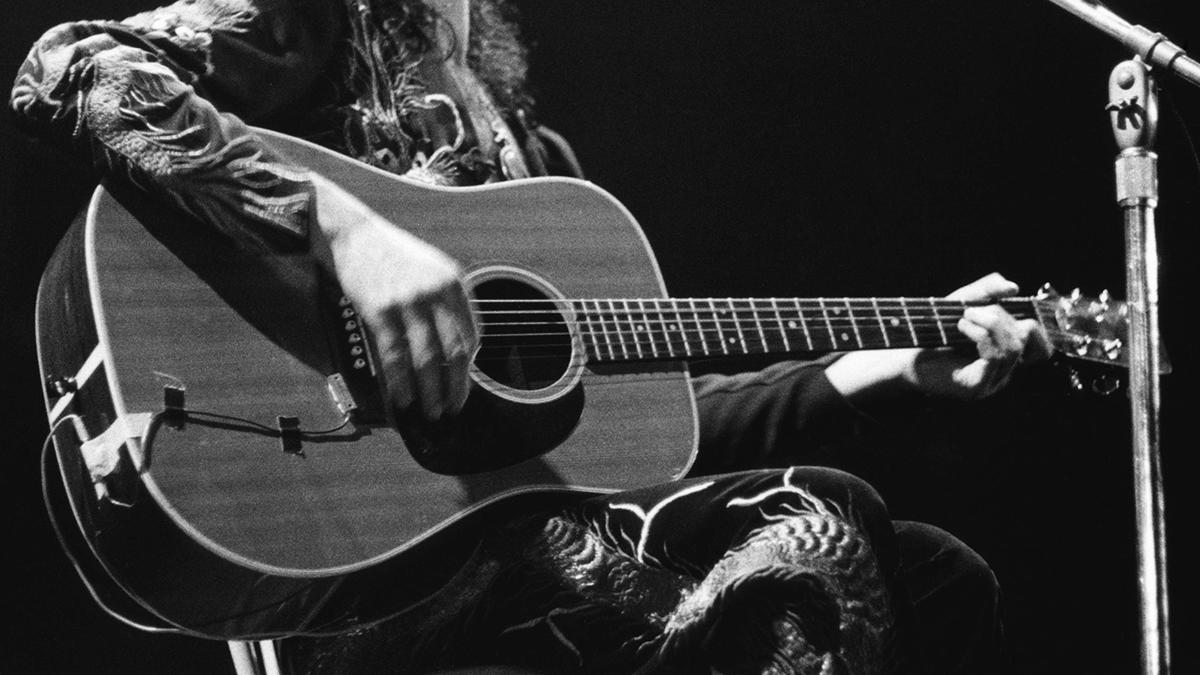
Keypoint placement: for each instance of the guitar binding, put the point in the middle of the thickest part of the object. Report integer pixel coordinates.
(530, 348)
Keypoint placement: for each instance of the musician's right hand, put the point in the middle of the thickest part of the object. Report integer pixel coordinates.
(411, 297)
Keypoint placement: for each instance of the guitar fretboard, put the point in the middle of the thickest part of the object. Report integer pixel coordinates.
(668, 328)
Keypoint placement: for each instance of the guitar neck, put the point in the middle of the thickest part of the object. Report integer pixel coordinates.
(668, 328)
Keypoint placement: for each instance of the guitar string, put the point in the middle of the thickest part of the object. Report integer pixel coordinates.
(701, 308)
(756, 346)
(821, 333)
(597, 350)
(827, 300)
(761, 318)
(643, 305)
(709, 323)
(768, 311)
(611, 323)
(640, 305)
(873, 333)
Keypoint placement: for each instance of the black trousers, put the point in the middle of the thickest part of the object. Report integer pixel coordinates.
(699, 574)
(944, 597)
(789, 414)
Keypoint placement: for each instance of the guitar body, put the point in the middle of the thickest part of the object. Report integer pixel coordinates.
(220, 527)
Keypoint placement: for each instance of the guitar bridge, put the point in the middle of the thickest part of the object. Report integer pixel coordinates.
(353, 386)
(343, 398)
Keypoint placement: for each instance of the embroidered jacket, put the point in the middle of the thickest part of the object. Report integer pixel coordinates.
(161, 101)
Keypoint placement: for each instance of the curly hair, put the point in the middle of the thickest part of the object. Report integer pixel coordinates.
(390, 38)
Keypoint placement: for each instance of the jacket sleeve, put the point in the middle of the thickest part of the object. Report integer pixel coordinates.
(157, 103)
(785, 414)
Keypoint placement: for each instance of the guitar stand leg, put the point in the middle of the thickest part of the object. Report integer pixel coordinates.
(254, 658)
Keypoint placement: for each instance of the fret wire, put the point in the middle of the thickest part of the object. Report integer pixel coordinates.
(828, 325)
(737, 324)
(758, 324)
(787, 345)
(584, 319)
(604, 328)
(665, 328)
(699, 328)
(803, 323)
(687, 344)
(612, 306)
(887, 342)
(938, 320)
(645, 325)
(908, 319)
(896, 325)
(637, 345)
(853, 323)
(643, 328)
(717, 323)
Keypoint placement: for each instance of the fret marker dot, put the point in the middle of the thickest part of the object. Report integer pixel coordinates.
(732, 340)
(672, 327)
(792, 324)
(895, 322)
(641, 328)
(845, 337)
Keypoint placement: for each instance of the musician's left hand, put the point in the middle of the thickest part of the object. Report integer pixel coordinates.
(1002, 342)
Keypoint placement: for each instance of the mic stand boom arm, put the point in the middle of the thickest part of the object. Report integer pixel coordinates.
(1154, 48)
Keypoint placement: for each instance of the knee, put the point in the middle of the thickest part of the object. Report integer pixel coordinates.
(856, 501)
(976, 579)
(969, 574)
(858, 498)
(955, 601)
(945, 567)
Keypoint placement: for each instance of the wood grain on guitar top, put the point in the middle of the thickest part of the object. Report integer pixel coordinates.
(244, 335)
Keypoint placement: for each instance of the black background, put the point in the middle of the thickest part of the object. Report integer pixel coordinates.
(788, 148)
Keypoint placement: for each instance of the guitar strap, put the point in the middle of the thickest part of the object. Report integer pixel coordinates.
(103, 457)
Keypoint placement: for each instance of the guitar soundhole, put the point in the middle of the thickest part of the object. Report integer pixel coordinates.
(525, 342)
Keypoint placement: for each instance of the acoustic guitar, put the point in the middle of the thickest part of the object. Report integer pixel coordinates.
(225, 466)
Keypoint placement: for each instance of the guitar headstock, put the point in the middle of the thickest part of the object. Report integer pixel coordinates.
(1090, 329)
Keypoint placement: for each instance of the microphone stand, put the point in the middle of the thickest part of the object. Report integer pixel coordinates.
(1133, 110)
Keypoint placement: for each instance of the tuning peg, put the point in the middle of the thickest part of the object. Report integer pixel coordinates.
(1076, 295)
(1112, 348)
(1099, 308)
(1046, 291)
(1082, 345)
